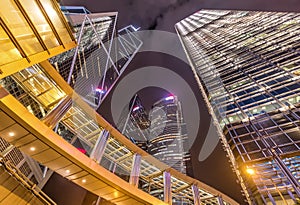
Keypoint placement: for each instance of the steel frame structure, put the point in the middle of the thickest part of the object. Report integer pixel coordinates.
(95, 68)
(76, 142)
(247, 67)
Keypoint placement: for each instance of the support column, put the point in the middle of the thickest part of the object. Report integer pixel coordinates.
(220, 200)
(167, 188)
(99, 147)
(58, 112)
(135, 170)
(196, 194)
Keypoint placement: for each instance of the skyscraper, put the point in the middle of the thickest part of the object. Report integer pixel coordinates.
(134, 123)
(96, 63)
(162, 132)
(168, 134)
(247, 67)
(42, 116)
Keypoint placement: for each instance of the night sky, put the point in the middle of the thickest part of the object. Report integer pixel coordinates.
(162, 15)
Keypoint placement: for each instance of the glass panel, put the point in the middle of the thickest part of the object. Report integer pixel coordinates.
(117, 159)
(57, 22)
(17, 24)
(40, 23)
(40, 86)
(8, 52)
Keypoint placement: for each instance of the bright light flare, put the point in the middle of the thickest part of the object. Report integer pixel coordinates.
(135, 108)
(169, 98)
(99, 90)
(250, 171)
(11, 134)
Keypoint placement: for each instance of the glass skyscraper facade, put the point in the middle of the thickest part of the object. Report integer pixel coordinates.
(168, 134)
(42, 116)
(102, 53)
(247, 65)
(91, 67)
(134, 123)
(162, 133)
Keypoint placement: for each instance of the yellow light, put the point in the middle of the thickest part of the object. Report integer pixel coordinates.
(11, 134)
(32, 149)
(116, 194)
(83, 181)
(250, 171)
(67, 171)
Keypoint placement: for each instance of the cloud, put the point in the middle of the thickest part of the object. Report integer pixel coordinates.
(162, 15)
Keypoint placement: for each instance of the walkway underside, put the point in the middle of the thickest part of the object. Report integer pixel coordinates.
(41, 143)
(139, 179)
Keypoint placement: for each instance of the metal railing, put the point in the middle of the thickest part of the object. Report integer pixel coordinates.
(119, 155)
(29, 185)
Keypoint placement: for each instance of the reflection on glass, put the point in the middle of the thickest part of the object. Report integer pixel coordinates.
(57, 22)
(28, 36)
(17, 24)
(40, 23)
(8, 52)
(41, 87)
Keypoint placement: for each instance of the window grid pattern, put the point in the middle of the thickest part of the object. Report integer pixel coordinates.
(3, 144)
(24, 98)
(248, 66)
(90, 55)
(83, 130)
(169, 143)
(30, 38)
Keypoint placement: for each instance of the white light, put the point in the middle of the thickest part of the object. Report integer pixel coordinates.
(135, 108)
(169, 98)
(285, 108)
(67, 171)
(135, 28)
(32, 149)
(11, 134)
(83, 181)
(99, 90)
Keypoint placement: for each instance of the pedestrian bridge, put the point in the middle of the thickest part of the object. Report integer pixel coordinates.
(111, 166)
(41, 115)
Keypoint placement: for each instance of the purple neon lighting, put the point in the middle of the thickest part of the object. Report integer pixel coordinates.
(99, 90)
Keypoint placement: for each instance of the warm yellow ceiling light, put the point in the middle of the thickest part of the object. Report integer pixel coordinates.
(11, 134)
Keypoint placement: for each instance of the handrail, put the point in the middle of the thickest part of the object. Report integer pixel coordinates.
(124, 140)
(18, 175)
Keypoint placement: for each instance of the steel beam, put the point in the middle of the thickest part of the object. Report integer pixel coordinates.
(196, 194)
(58, 112)
(135, 170)
(99, 147)
(167, 188)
